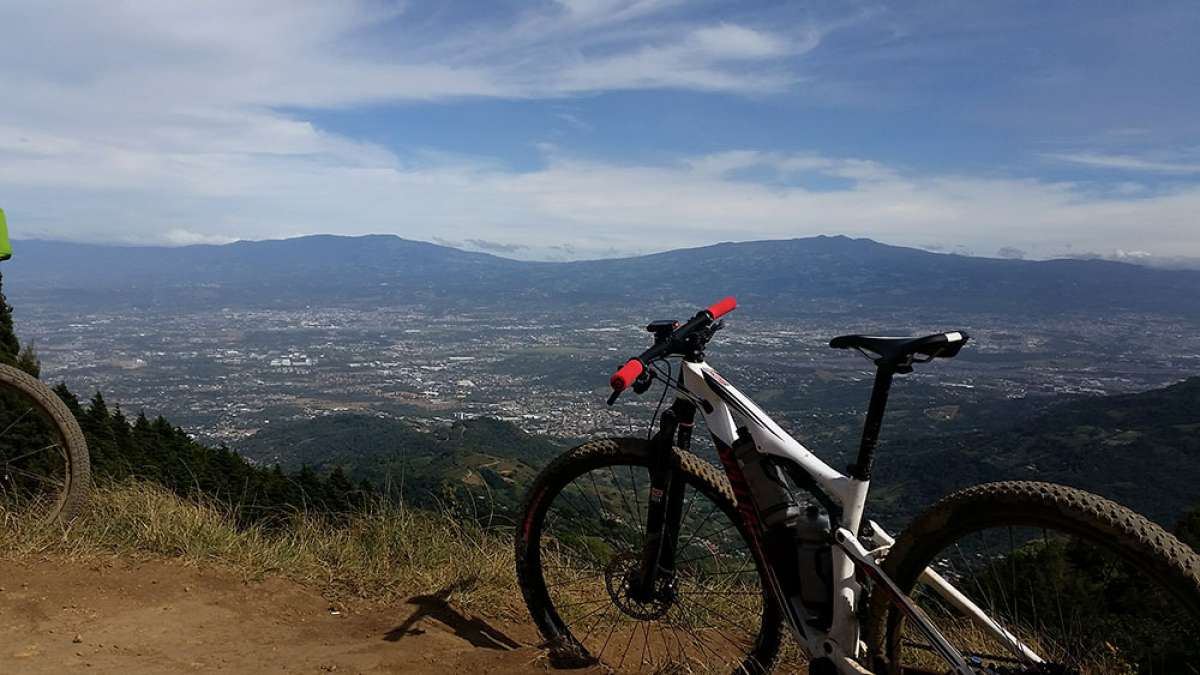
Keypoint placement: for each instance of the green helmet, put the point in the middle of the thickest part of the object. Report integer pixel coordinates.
(5, 246)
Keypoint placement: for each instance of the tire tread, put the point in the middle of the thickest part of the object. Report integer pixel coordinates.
(79, 471)
(1141, 542)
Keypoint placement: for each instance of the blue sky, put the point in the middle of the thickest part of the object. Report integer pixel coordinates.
(585, 128)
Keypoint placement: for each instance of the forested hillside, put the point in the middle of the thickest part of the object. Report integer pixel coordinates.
(487, 459)
(1142, 450)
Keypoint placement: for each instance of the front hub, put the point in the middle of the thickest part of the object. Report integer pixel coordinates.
(620, 578)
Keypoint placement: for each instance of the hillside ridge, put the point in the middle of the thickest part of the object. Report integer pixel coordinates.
(796, 277)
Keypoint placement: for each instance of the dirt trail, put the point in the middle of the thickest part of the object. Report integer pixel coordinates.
(162, 617)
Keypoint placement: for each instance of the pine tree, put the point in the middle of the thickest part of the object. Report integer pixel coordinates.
(312, 489)
(141, 425)
(28, 360)
(70, 399)
(342, 493)
(120, 425)
(96, 423)
(10, 346)
(98, 409)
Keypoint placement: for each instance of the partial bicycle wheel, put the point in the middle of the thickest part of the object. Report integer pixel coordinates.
(1077, 583)
(579, 544)
(44, 469)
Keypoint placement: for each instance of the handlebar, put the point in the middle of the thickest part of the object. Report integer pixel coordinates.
(667, 344)
(626, 375)
(723, 307)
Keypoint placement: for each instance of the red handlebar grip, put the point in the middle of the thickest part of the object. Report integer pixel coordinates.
(719, 309)
(626, 375)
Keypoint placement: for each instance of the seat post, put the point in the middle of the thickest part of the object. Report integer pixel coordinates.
(861, 468)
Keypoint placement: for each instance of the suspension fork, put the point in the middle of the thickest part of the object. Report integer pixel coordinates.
(664, 509)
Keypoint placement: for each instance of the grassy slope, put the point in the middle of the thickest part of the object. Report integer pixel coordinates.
(386, 553)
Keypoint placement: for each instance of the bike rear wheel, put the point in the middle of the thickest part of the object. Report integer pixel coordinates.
(44, 469)
(579, 543)
(1086, 584)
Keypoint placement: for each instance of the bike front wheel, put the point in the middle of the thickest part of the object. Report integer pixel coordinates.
(1072, 582)
(44, 470)
(578, 547)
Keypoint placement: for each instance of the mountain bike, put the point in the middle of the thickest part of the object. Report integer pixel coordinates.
(44, 470)
(638, 555)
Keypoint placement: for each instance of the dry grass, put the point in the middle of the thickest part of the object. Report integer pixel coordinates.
(379, 556)
(389, 552)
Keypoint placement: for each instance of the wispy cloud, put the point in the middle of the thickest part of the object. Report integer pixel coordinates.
(1125, 163)
(594, 207)
(311, 53)
(159, 120)
(180, 123)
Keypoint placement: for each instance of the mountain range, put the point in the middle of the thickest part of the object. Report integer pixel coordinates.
(793, 276)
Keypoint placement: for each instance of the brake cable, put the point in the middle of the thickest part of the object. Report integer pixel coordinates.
(668, 382)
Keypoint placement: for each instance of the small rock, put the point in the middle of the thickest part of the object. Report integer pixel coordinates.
(77, 639)
(187, 589)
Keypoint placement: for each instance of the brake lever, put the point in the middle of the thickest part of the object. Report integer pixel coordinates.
(640, 386)
(643, 382)
(701, 339)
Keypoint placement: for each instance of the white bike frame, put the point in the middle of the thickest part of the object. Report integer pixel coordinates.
(719, 401)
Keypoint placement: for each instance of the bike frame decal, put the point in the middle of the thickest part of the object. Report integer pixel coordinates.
(721, 401)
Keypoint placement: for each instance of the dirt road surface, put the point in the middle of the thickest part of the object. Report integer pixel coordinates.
(160, 617)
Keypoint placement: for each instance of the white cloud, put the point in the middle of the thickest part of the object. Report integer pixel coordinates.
(161, 122)
(724, 57)
(313, 53)
(729, 41)
(1125, 162)
(178, 237)
(597, 207)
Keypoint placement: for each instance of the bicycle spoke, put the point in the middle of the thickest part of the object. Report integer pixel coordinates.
(708, 614)
(15, 422)
(29, 474)
(1055, 594)
(31, 453)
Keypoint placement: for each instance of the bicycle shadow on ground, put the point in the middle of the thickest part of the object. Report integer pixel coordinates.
(435, 606)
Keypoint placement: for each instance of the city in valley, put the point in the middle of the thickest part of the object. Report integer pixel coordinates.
(225, 374)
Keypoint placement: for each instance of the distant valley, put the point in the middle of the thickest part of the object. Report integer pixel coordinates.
(1142, 450)
(353, 352)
